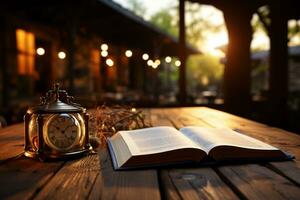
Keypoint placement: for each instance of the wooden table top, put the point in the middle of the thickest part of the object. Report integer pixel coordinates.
(92, 177)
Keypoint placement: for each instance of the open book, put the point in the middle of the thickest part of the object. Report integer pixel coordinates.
(165, 145)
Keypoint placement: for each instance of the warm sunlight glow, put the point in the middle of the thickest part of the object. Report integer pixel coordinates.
(145, 56)
(260, 40)
(61, 55)
(128, 53)
(213, 42)
(217, 53)
(110, 62)
(104, 47)
(40, 51)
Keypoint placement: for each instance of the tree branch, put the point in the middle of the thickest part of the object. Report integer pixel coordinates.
(263, 21)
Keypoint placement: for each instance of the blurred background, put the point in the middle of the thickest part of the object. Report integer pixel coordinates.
(240, 57)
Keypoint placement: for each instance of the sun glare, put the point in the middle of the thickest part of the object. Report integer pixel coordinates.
(213, 43)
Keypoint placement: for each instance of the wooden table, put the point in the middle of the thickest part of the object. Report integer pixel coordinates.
(92, 177)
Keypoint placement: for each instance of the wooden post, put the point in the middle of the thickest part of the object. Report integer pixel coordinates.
(237, 80)
(278, 71)
(182, 53)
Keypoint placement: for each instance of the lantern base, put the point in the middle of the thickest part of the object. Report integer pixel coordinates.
(57, 156)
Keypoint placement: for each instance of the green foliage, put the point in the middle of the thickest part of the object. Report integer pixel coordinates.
(197, 25)
(203, 71)
(166, 21)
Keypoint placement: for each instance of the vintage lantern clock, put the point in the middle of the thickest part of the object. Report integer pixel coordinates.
(57, 128)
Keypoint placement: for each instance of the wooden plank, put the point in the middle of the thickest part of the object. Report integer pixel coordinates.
(289, 169)
(201, 183)
(23, 177)
(258, 182)
(11, 142)
(158, 117)
(73, 181)
(134, 184)
(110, 184)
(256, 173)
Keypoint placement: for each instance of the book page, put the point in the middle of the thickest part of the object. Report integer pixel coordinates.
(209, 138)
(155, 140)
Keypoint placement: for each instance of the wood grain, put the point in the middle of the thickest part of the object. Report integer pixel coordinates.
(201, 183)
(188, 183)
(22, 178)
(11, 142)
(134, 184)
(258, 182)
(73, 181)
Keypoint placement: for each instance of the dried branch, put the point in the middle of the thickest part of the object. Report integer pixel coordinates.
(106, 121)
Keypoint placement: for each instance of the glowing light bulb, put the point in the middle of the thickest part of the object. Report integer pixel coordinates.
(177, 63)
(40, 51)
(168, 59)
(157, 62)
(104, 47)
(109, 62)
(61, 55)
(128, 53)
(145, 56)
(150, 62)
(154, 65)
(104, 53)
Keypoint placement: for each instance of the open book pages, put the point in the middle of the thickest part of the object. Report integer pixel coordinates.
(166, 145)
(155, 140)
(208, 138)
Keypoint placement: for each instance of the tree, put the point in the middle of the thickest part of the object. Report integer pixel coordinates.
(166, 21)
(204, 66)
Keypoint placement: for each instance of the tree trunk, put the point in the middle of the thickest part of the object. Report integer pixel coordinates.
(237, 79)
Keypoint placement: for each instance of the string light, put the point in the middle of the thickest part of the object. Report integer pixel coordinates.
(40, 51)
(150, 62)
(145, 56)
(104, 54)
(109, 62)
(177, 63)
(157, 62)
(104, 47)
(154, 65)
(61, 55)
(128, 53)
(168, 59)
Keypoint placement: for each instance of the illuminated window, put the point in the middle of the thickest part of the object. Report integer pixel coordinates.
(95, 62)
(25, 52)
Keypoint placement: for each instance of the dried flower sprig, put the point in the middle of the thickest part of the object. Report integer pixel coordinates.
(106, 121)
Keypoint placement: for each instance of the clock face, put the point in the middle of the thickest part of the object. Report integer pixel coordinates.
(62, 132)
